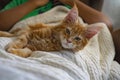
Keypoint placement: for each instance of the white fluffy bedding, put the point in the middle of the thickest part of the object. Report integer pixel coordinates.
(94, 62)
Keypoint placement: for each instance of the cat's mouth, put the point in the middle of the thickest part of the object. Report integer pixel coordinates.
(67, 44)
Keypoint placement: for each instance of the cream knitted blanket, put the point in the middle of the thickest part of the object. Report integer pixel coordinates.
(94, 62)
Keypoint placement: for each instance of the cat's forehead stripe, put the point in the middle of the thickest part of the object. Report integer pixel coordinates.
(78, 29)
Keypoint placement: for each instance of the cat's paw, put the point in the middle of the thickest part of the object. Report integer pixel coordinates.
(20, 52)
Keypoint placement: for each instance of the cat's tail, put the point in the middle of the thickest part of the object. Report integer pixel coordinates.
(13, 33)
(6, 34)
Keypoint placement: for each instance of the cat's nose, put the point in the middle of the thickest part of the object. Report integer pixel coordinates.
(69, 41)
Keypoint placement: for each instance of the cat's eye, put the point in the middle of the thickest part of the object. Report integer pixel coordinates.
(67, 31)
(77, 38)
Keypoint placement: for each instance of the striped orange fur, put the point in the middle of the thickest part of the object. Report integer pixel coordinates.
(68, 35)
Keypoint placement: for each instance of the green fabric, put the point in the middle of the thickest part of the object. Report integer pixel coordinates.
(44, 8)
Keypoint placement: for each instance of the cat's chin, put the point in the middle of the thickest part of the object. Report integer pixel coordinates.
(67, 45)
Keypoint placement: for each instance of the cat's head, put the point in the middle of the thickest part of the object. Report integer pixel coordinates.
(74, 35)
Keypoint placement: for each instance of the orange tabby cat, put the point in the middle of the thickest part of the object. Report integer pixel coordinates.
(69, 34)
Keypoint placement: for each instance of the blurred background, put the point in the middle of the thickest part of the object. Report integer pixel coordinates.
(112, 9)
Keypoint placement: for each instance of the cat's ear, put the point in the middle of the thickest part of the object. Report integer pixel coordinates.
(72, 16)
(92, 31)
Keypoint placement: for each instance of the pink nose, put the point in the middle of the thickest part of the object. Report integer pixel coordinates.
(69, 41)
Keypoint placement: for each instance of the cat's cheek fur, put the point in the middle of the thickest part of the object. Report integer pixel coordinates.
(63, 42)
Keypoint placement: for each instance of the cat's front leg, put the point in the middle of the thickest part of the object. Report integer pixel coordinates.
(25, 52)
(18, 47)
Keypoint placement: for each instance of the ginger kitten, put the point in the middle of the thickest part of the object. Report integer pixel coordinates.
(69, 34)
